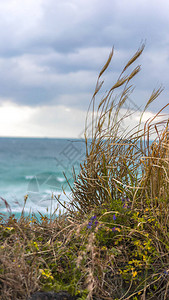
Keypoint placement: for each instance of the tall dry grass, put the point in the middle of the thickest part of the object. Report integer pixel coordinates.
(119, 161)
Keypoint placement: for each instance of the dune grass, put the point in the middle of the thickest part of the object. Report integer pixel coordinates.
(113, 242)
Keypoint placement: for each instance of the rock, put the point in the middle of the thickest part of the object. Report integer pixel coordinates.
(52, 296)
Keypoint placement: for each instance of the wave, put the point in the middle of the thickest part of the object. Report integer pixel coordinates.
(29, 177)
(45, 176)
(38, 166)
(61, 179)
(44, 203)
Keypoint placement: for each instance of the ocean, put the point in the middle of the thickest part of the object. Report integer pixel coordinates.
(33, 169)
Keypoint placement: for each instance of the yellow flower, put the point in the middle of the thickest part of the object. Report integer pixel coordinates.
(46, 273)
(36, 245)
(104, 248)
(134, 273)
(9, 228)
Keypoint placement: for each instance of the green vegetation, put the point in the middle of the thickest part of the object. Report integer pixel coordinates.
(113, 242)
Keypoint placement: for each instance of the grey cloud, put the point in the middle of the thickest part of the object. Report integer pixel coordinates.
(57, 48)
(29, 82)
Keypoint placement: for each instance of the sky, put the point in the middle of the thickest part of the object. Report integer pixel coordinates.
(51, 52)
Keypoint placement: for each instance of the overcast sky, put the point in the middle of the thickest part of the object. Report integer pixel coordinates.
(51, 52)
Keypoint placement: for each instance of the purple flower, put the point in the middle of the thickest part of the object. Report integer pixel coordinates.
(89, 226)
(114, 229)
(100, 227)
(125, 205)
(114, 217)
(165, 272)
(92, 223)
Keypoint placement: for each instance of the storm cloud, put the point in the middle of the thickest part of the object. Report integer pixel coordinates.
(51, 51)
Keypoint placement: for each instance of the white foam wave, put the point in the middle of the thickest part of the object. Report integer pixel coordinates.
(61, 179)
(44, 202)
(29, 177)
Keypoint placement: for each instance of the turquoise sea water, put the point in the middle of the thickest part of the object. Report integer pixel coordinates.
(34, 167)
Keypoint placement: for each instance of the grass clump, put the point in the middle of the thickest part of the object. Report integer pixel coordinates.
(113, 242)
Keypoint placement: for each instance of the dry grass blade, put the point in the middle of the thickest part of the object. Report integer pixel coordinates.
(134, 58)
(98, 87)
(133, 73)
(6, 204)
(155, 94)
(107, 63)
